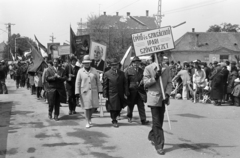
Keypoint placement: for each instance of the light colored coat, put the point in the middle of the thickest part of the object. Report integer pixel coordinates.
(154, 93)
(88, 86)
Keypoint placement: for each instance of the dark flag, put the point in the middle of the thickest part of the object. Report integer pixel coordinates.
(40, 45)
(37, 59)
(72, 41)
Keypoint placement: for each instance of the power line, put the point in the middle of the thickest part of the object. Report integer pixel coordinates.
(112, 5)
(190, 7)
(127, 6)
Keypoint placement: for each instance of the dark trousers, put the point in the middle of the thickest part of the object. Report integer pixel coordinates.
(54, 103)
(33, 89)
(18, 81)
(39, 90)
(157, 134)
(114, 114)
(72, 102)
(3, 87)
(141, 109)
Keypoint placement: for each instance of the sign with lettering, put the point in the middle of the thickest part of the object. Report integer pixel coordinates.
(153, 41)
(63, 50)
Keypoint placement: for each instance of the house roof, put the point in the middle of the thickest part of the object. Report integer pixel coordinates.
(208, 41)
(132, 22)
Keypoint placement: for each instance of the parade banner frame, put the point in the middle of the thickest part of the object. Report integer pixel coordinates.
(153, 41)
(63, 50)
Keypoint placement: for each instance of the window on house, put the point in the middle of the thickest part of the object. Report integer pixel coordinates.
(224, 58)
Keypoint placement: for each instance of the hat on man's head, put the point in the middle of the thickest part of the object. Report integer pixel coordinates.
(86, 59)
(136, 58)
(222, 64)
(215, 62)
(234, 63)
(114, 61)
(197, 61)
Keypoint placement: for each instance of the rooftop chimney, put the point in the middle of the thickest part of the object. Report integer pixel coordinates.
(104, 13)
(147, 12)
(193, 29)
(128, 13)
(117, 13)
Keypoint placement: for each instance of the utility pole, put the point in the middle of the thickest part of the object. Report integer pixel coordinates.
(9, 30)
(52, 38)
(9, 36)
(159, 14)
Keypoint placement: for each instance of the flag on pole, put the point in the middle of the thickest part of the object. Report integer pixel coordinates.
(37, 59)
(72, 41)
(126, 60)
(40, 45)
(12, 55)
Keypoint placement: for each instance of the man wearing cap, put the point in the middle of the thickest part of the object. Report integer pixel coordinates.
(137, 94)
(155, 99)
(114, 89)
(87, 88)
(98, 63)
(71, 73)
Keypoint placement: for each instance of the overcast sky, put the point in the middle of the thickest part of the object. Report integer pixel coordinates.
(44, 17)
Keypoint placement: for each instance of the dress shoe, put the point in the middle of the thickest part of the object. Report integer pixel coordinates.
(70, 113)
(87, 125)
(50, 116)
(56, 118)
(146, 122)
(115, 125)
(160, 152)
(74, 112)
(129, 120)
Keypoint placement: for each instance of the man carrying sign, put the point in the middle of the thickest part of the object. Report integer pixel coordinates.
(155, 100)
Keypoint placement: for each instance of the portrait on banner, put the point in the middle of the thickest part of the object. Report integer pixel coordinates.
(98, 53)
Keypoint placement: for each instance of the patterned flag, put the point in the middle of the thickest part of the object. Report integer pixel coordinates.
(72, 41)
(126, 60)
(37, 59)
(40, 45)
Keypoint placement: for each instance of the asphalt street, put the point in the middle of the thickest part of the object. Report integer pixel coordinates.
(198, 131)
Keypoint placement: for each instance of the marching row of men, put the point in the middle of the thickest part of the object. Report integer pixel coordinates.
(121, 89)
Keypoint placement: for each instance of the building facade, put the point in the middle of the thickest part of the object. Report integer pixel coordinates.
(206, 46)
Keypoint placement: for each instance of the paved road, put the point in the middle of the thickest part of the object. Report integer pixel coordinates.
(198, 131)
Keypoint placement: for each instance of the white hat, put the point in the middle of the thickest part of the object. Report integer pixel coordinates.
(86, 59)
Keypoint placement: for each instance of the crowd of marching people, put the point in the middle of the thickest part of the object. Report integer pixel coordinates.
(81, 84)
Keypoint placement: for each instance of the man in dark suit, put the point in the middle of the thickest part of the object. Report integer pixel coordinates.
(114, 89)
(55, 77)
(98, 63)
(71, 71)
(137, 94)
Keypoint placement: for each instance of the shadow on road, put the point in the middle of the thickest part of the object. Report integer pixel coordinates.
(5, 114)
(206, 148)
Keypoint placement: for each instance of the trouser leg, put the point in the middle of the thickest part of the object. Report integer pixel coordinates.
(157, 134)
(70, 103)
(114, 115)
(141, 109)
(4, 87)
(57, 104)
(130, 110)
